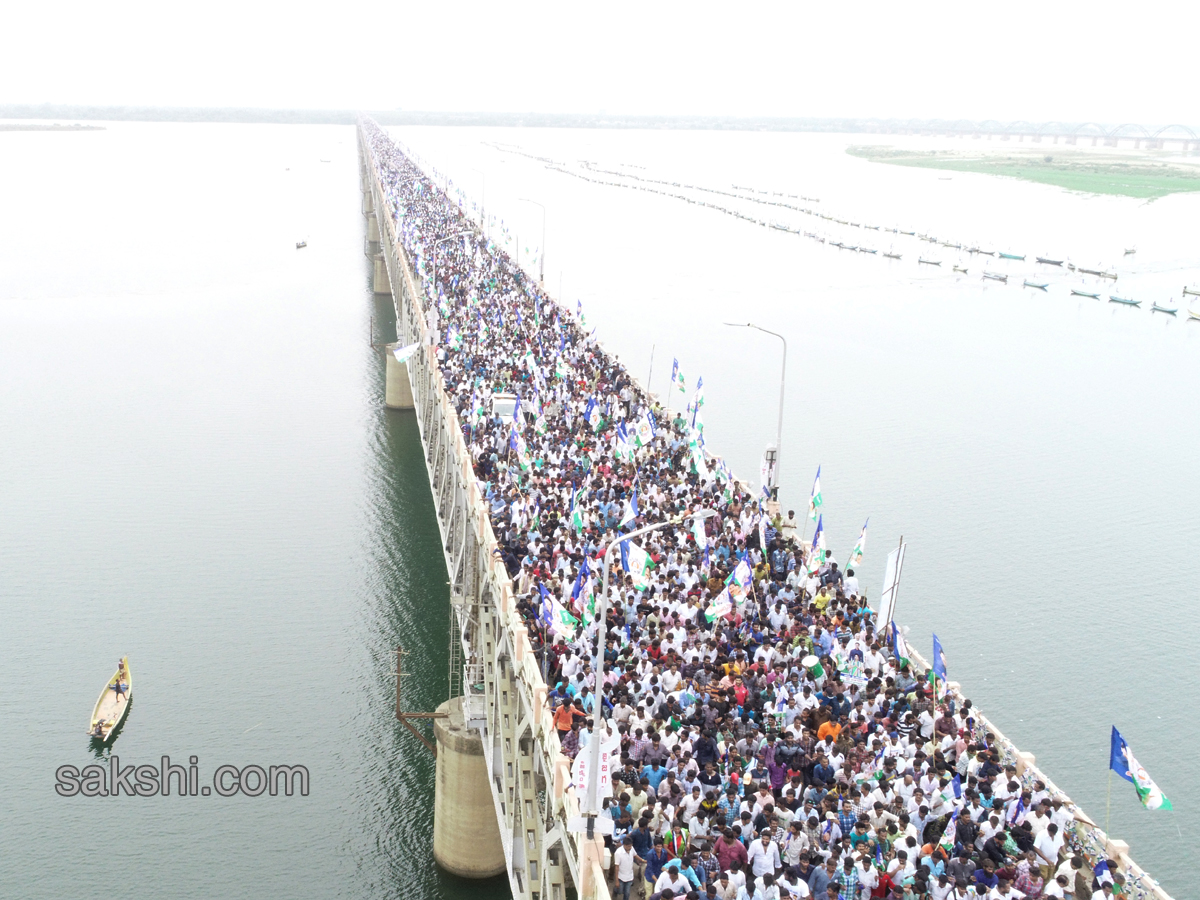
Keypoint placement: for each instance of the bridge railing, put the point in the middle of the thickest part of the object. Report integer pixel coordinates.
(503, 690)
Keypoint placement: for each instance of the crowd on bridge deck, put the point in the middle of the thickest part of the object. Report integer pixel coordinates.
(772, 744)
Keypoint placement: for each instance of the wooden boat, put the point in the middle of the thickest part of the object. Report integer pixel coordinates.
(1011, 256)
(909, 233)
(1040, 287)
(865, 250)
(928, 262)
(836, 244)
(1127, 302)
(995, 276)
(1075, 293)
(1163, 309)
(872, 227)
(1098, 273)
(301, 244)
(1050, 262)
(892, 255)
(960, 269)
(1187, 291)
(1194, 314)
(1131, 252)
(951, 246)
(110, 709)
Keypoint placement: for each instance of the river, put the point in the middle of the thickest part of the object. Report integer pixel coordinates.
(197, 470)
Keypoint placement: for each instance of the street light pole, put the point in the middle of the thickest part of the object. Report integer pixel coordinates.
(437, 244)
(591, 807)
(542, 260)
(779, 424)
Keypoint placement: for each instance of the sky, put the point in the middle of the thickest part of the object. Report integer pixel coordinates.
(1036, 61)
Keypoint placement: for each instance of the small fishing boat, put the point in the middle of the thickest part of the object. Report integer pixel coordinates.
(114, 700)
(909, 233)
(1187, 291)
(872, 227)
(855, 225)
(1099, 273)
(1114, 299)
(1194, 314)
(987, 252)
(1071, 266)
(892, 255)
(1130, 252)
(300, 245)
(848, 247)
(836, 244)
(1011, 256)
(951, 246)
(995, 276)
(1075, 293)
(1040, 287)
(928, 262)
(1163, 309)
(1050, 262)
(865, 250)
(960, 269)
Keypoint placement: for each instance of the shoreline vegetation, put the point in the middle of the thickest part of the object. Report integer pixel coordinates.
(1074, 171)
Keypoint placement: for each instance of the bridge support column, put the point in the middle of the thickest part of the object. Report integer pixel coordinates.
(466, 835)
(382, 285)
(372, 228)
(397, 388)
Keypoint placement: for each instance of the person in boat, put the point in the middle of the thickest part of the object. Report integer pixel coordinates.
(98, 729)
(120, 687)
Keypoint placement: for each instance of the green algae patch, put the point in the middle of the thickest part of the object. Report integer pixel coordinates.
(1088, 173)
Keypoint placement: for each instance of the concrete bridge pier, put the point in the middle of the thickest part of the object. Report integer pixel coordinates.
(397, 386)
(381, 283)
(466, 832)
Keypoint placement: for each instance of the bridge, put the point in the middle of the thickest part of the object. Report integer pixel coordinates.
(504, 799)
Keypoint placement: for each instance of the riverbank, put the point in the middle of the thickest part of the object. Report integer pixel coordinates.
(1075, 171)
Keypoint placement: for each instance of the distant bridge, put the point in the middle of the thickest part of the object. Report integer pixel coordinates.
(1162, 137)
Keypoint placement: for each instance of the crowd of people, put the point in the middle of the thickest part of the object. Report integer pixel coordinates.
(772, 742)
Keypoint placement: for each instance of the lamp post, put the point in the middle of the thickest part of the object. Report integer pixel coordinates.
(437, 244)
(542, 260)
(779, 425)
(592, 801)
(483, 200)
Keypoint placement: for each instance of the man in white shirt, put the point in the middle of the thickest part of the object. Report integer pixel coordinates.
(1047, 846)
(623, 861)
(763, 855)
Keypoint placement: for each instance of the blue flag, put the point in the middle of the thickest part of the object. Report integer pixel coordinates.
(939, 660)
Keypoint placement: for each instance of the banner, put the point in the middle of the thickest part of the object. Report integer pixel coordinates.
(891, 588)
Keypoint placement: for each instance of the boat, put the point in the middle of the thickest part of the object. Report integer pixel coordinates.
(1075, 293)
(300, 245)
(1194, 314)
(960, 269)
(1011, 256)
(1163, 309)
(1040, 287)
(909, 233)
(995, 276)
(951, 246)
(1050, 262)
(1187, 291)
(1098, 273)
(872, 227)
(110, 709)
(892, 255)
(836, 244)
(1071, 266)
(1114, 299)
(1131, 252)
(865, 250)
(928, 262)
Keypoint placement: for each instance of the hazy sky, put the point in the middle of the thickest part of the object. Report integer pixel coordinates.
(1018, 60)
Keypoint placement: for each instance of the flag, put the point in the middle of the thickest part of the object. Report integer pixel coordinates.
(680, 381)
(1122, 761)
(950, 834)
(518, 446)
(721, 606)
(899, 647)
(700, 534)
(938, 673)
(585, 575)
(637, 563)
(621, 447)
(630, 512)
(453, 338)
(576, 512)
(592, 414)
(856, 554)
(815, 502)
(517, 421)
(698, 401)
(816, 556)
(644, 431)
(546, 615)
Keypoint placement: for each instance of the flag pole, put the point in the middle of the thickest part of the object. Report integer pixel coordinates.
(1108, 811)
(651, 372)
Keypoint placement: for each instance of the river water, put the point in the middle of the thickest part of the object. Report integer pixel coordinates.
(196, 469)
